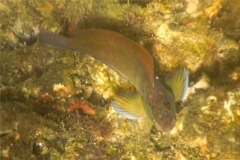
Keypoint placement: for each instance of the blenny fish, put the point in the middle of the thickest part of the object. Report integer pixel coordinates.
(152, 98)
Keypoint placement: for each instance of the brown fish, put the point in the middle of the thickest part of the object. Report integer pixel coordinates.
(152, 99)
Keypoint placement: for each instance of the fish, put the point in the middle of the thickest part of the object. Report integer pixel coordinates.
(153, 99)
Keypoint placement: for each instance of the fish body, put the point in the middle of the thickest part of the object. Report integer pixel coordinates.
(152, 99)
(123, 55)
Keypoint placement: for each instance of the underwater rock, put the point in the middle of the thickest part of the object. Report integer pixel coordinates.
(4, 153)
(228, 19)
(39, 148)
(92, 96)
(235, 74)
(202, 35)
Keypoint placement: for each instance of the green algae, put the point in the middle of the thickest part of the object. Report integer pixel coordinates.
(207, 124)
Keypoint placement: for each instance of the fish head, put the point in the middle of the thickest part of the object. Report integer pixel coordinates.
(163, 108)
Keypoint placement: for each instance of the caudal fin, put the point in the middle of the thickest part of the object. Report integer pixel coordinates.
(53, 39)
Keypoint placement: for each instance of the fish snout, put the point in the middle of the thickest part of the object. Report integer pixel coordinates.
(167, 125)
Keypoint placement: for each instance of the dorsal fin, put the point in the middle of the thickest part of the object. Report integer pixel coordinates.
(177, 82)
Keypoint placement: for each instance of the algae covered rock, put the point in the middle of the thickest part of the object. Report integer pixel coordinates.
(48, 96)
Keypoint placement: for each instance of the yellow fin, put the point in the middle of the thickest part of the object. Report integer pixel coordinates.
(130, 105)
(177, 82)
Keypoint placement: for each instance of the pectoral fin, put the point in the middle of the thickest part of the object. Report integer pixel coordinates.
(177, 82)
(129, 105)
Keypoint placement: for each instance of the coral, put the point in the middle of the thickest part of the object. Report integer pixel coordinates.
(81, 105)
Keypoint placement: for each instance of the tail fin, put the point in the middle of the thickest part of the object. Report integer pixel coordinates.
(53, 39)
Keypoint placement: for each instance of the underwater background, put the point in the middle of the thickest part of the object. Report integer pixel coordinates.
(56, 104)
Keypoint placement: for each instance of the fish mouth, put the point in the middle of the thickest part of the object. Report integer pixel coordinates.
(166, 127)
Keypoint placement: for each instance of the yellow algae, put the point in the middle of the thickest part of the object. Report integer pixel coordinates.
(213, 10)
(228, 104)
(61, 88)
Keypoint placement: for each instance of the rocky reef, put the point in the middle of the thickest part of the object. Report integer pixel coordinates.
(55, 104)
